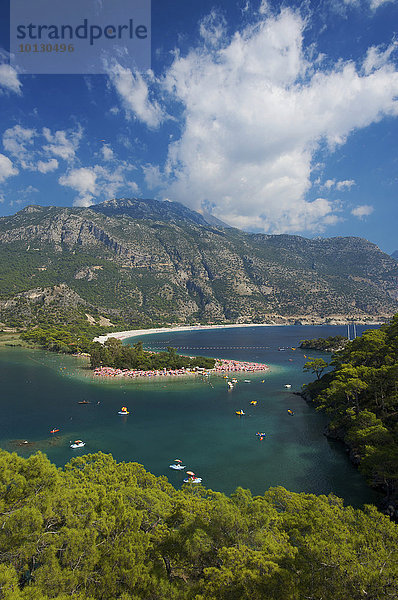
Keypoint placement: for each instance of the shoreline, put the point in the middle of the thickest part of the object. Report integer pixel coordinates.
(122, 335)
(222, 367)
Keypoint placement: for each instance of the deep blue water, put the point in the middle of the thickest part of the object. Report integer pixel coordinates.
(190, 418)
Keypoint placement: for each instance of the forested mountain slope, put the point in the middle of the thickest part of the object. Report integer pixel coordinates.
(147, 261)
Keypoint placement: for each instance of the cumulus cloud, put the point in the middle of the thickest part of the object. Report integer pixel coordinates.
(98, 181)
(7, 169)
(254, 114)
(47, 167)
(9, 81)
(376, 57)
(107, 152)
(338, 185)
(362, 211)
(62, 144)
(35, 150)
(345, 185)
(18, 141)
(376, 3)
(82, 180)
(134, 93)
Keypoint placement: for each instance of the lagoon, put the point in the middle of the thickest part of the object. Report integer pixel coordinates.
(190, 418)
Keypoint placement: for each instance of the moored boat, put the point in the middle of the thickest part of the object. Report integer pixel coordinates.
(78, 444)
(177, 466)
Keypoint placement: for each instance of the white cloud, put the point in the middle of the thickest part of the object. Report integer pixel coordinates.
(134, 93)
(29, 148)
(362, 211)
(376, 3)
(329, 183)
(345, 185)
(7, 169)
(107, 152)
(18, 141)
(254, 114)
(9, 79)
(47, 167)
(62, 144)
(212, 29)
(377, 58)
(82, 180)
(98, 181)
(338, 185)
(84, 201)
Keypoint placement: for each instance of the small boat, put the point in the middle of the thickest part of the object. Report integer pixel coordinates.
(78, 444)
(239, 412)
(253, 402)
(123, 411)
(260, 434)
(290, 412)
(234, 381)
(193, 480)
(246, 381)
(288, 386)
(230, 385)
(177, 466)
(54, 430)
(84, 402)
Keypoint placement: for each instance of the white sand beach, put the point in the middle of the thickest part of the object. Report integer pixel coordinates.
(122, 335)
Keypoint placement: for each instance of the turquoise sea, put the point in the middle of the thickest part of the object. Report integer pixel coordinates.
(190, 418)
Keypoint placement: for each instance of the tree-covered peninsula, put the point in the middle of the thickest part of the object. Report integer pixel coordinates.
(330, 344)
(99, 530)
(113, 354)
(361, 396)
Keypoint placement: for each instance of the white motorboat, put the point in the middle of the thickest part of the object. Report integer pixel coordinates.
(178, 466)
(78, 444)
(288, 386)
(193, 480)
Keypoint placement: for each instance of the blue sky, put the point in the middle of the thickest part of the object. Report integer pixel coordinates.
(276, 117)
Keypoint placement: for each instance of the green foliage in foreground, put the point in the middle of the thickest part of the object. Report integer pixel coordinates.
(108, 531)
(114, 354)
(361, 396)
(315, 366)
(329, 344)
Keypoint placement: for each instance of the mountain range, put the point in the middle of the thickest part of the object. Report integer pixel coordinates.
(143, 262)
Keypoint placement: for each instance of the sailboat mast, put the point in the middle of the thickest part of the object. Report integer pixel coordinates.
(355, 331)
(348, 331)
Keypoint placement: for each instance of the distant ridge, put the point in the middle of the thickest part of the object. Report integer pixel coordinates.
(138, 208)
(146, 262)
